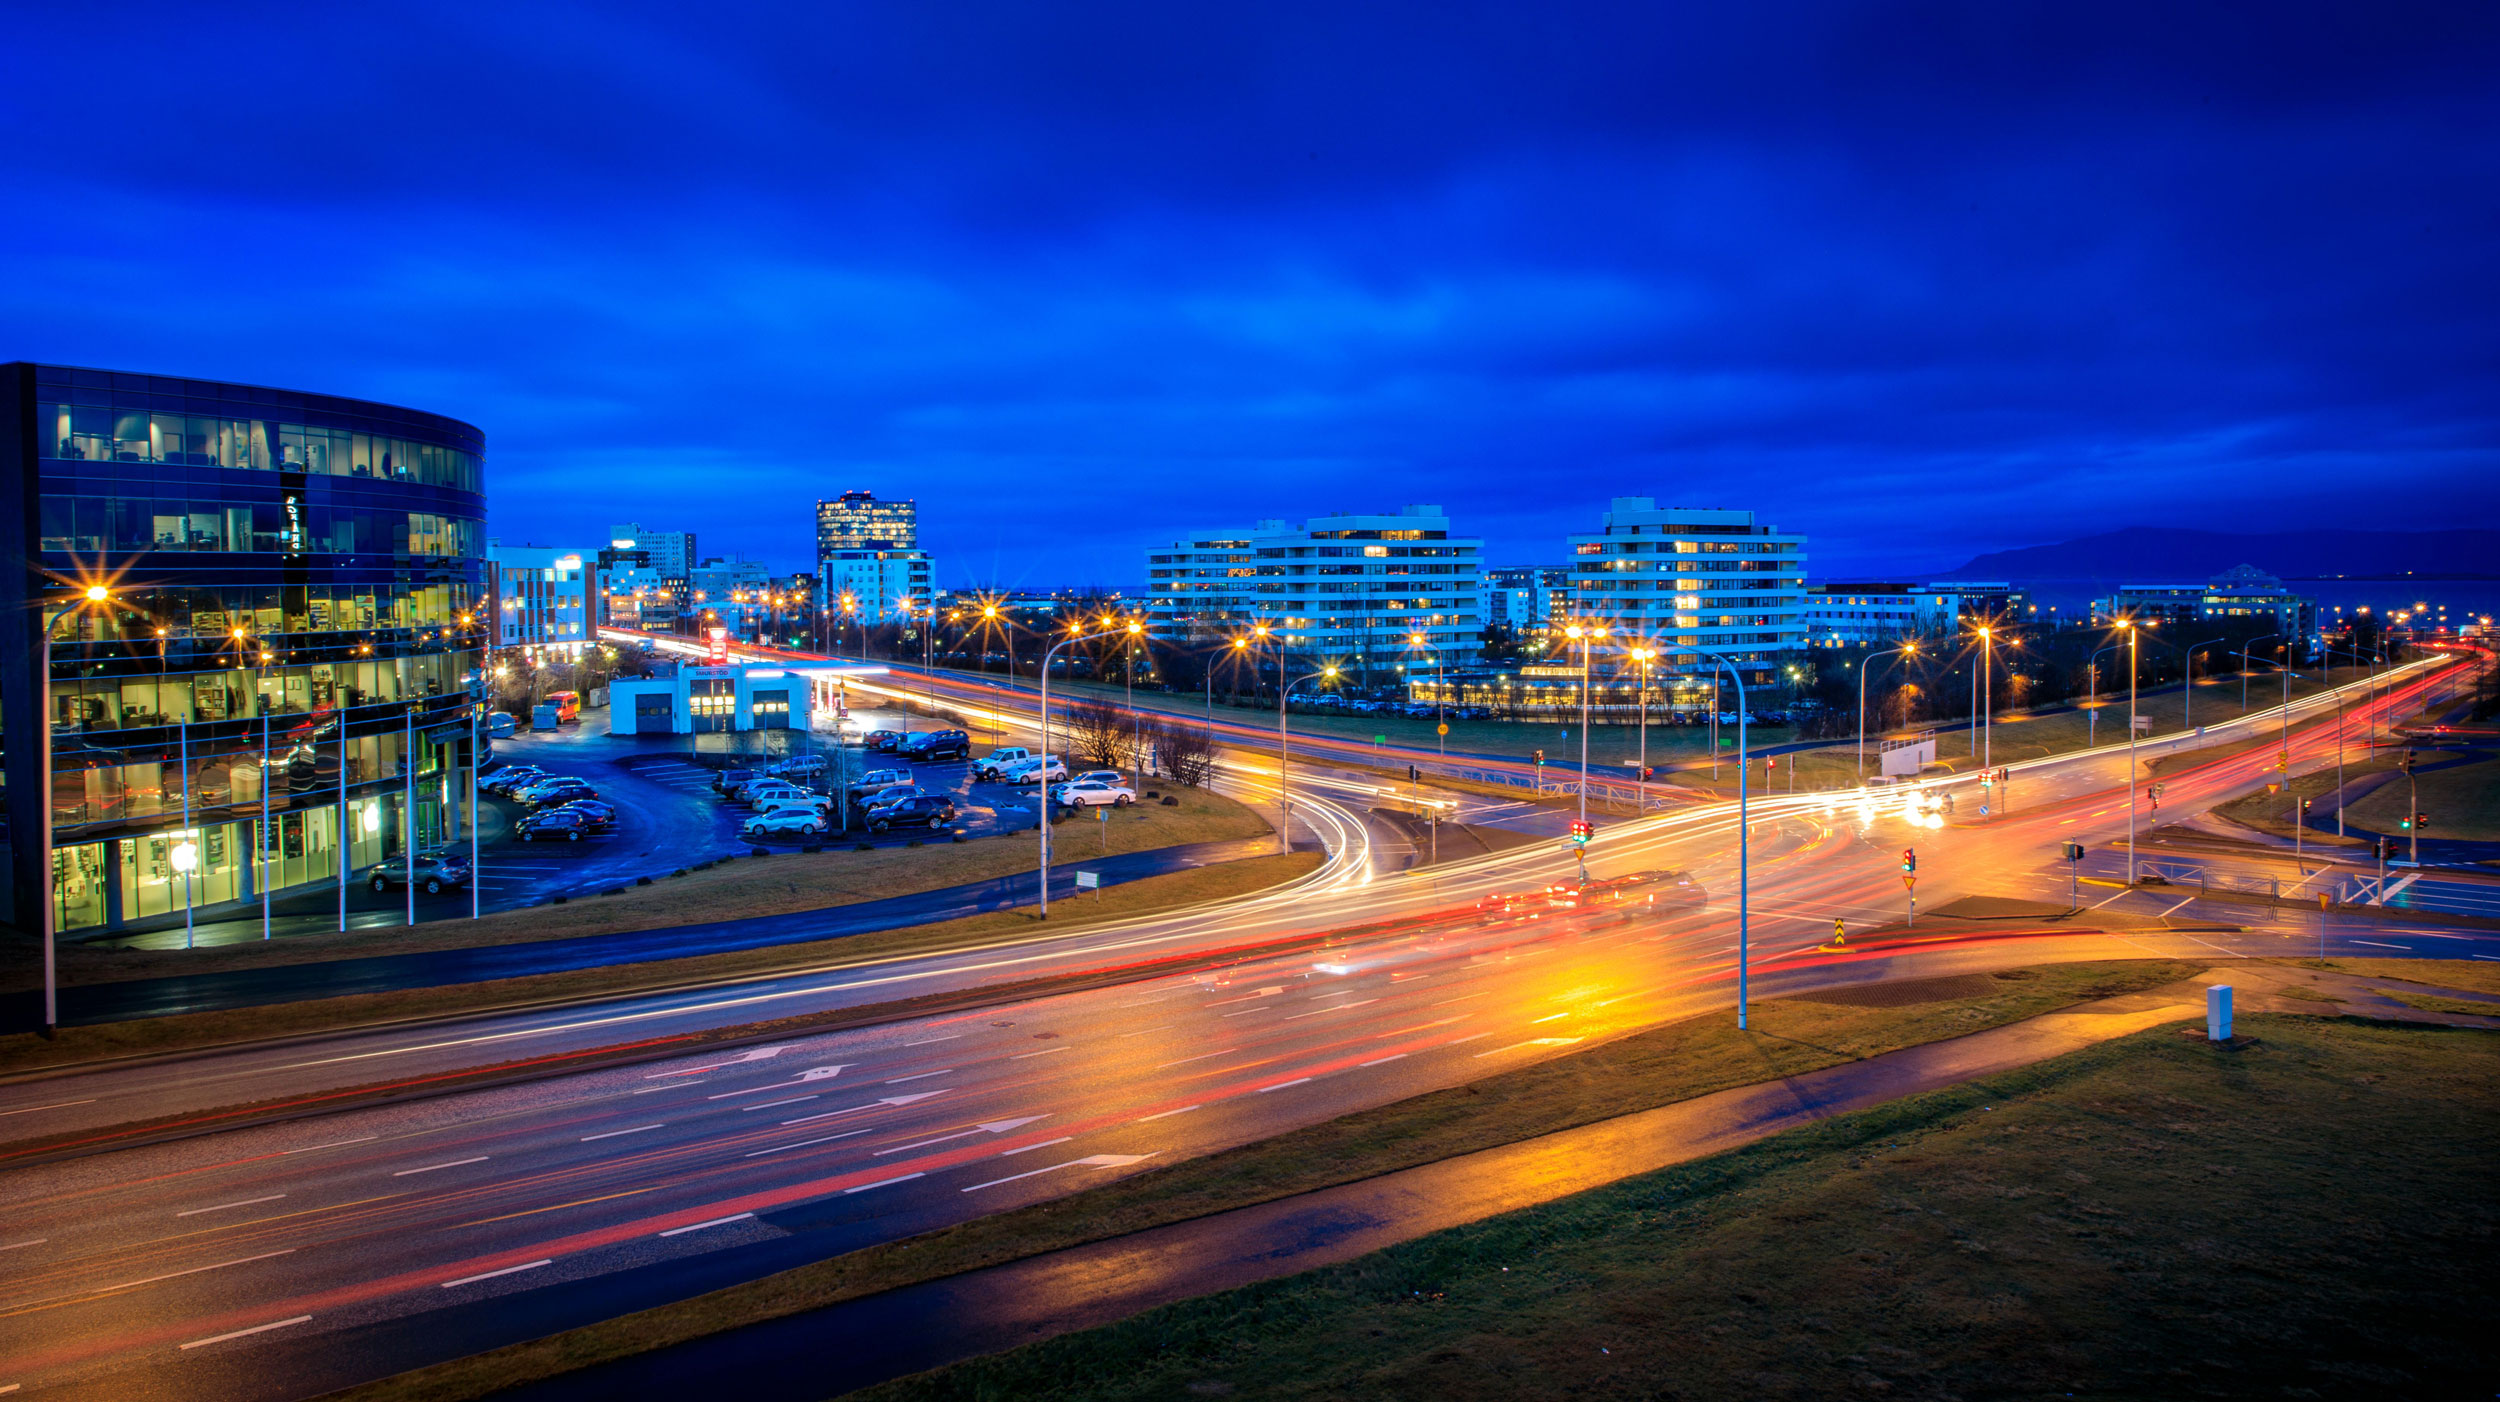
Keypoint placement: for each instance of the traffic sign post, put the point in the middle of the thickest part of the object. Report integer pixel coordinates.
(1909, 881)
(2074, 856)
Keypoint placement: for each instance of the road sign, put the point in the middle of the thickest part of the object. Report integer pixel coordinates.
(2074, 851)
(1445, 727)
(1909, 882)
(1089, 881)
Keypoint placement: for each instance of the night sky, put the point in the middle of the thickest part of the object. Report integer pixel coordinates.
(1920, 280)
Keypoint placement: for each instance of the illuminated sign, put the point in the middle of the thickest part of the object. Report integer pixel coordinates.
(621, 544)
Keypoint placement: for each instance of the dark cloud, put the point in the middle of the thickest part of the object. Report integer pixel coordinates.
(1922, 280)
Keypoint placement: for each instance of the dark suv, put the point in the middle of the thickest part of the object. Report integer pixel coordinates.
(551, 823)
(933, 810)
(883, 741)
(938, 745)
(438, 868)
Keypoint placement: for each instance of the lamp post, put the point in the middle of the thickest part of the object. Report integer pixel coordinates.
(1441, 689)
(92, 594)
(1284, 805)
(1043, 806)
(1239, 644)
(2129, 625)
(1744, 831)
(1643, 655)
(2187, 689)
(1987, 697)
(1586, 635)
(1866, 665)
(2092, 719)
(2244, 647)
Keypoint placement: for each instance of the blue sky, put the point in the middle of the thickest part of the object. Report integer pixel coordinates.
(1921, 280)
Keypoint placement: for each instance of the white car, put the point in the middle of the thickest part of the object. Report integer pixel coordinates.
(1093, 793)
(1100, 776)
(804, 821)
(1037, 771)
(757, 795)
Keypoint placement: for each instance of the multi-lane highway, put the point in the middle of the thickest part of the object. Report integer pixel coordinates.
(280, 1260)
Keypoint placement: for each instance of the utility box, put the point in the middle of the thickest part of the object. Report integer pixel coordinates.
(2218, 1013)
(543, 718)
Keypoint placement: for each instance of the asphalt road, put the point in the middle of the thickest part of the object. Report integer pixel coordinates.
(279, 1261)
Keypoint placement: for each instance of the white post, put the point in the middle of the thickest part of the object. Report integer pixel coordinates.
(2218, 1012)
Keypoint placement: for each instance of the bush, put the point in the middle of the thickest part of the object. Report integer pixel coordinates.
(1171, 802)
(557, 901)
(915, 842)
(758, 852)
(865, 847)
(642, 880)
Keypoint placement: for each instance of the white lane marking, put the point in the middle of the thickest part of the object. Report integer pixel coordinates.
(61, 1105)
(2096, 905)
(1098, 1161)
(985, 1127)
(333, 1144)
(221, 1338)
(1465, 997)
(1268, 992)
(817, 1074)
(245, 1202)
(490, 1275)
(1383, 1061)
(611, 1134)
(1341, 1007)
(1245, 1012)
(2374, 944)
(715, 1222)
(804, 1143)
(1142, 1031)
(32, 1241)
(1161, 1113)
(1480, 1036)
(883, 1183)
(2177, 908)
(1531, 1042)
(1011, 1153)
(769, 1104)
(922, 1076)
(1019, 1056)
(1184, 1061)
(871, 1105)
(757, 1054)
(930, 1041)
(195, 1270)
(1280, 1085)
(429, 1168)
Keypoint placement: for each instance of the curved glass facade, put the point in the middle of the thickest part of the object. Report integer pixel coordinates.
(296, 583)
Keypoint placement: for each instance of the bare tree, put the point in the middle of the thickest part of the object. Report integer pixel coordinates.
(1098, 734)
(1185, 753)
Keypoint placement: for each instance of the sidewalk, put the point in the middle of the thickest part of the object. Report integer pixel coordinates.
(925, 1326)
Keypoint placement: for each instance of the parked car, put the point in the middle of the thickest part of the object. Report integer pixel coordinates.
(889, 794)
(798, 767)
(1044, 770)
(729, 779)
(602, 817)
(551, 823)
(754, 795)
(547, 793)
(519, 776)
(813, 803)
(883, 741)
(934, 810)
(938, 745)
(1101, 776)
(994, 765)
(876, 779)
(802, 821)
(438, 870)
(1093, 793)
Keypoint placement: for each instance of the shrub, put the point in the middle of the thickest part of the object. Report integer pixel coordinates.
(642, 880)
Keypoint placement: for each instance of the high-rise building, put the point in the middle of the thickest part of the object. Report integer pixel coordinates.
(1683, 577)
(293, 629)
(1349, 589)
(869, 564)
(1526, 599)
(858, 521)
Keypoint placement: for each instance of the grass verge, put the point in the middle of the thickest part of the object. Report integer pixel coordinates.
(2306, 1214)
(2472, 975)
(785, 883)
(190, 1032)
(2271, 813)
(1666, 1064)
(2463, 800)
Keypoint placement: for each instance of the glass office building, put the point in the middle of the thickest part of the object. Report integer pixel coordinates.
(293, 630)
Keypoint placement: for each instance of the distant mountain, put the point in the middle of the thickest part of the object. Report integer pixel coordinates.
(2153, 554)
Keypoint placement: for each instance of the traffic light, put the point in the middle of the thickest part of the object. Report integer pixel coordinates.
(1540, 757)
(2304, 806)
(1909, 859)
(1582, 830)
(2421, 822)
(1987, 778)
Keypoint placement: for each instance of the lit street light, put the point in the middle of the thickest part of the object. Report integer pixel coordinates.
(1865, 666)
(1043, 795)
(1284, 805)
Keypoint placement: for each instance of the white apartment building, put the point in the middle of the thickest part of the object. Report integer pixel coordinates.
(1350, 589)
(542, 596)
(1689, 577)
(1855, 614)
(875, 582)
(1526, 599)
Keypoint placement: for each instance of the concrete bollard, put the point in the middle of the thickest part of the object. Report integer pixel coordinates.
(2218, 1013)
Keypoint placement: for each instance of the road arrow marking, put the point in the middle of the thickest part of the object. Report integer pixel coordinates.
(1094, 1161)
(985, 1127)
(871, 1105)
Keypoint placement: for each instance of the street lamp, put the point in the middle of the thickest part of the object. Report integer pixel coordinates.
(2244, 647)
(2187, 690)
(1643, 655)
(1441, 690)
(1744, 830)
(1586, 635)
(1284, 805)
(2129, 625)
(1865, 666)
(1043, 807)
(88, 597)
(1239, 645)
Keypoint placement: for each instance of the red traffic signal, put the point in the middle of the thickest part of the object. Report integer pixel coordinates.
(1582, 830)
(1909, 859)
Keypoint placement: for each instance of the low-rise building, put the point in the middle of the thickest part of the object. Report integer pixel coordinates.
(542, 597)
(2241, 593)
(1525, 599)
(695, 699)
